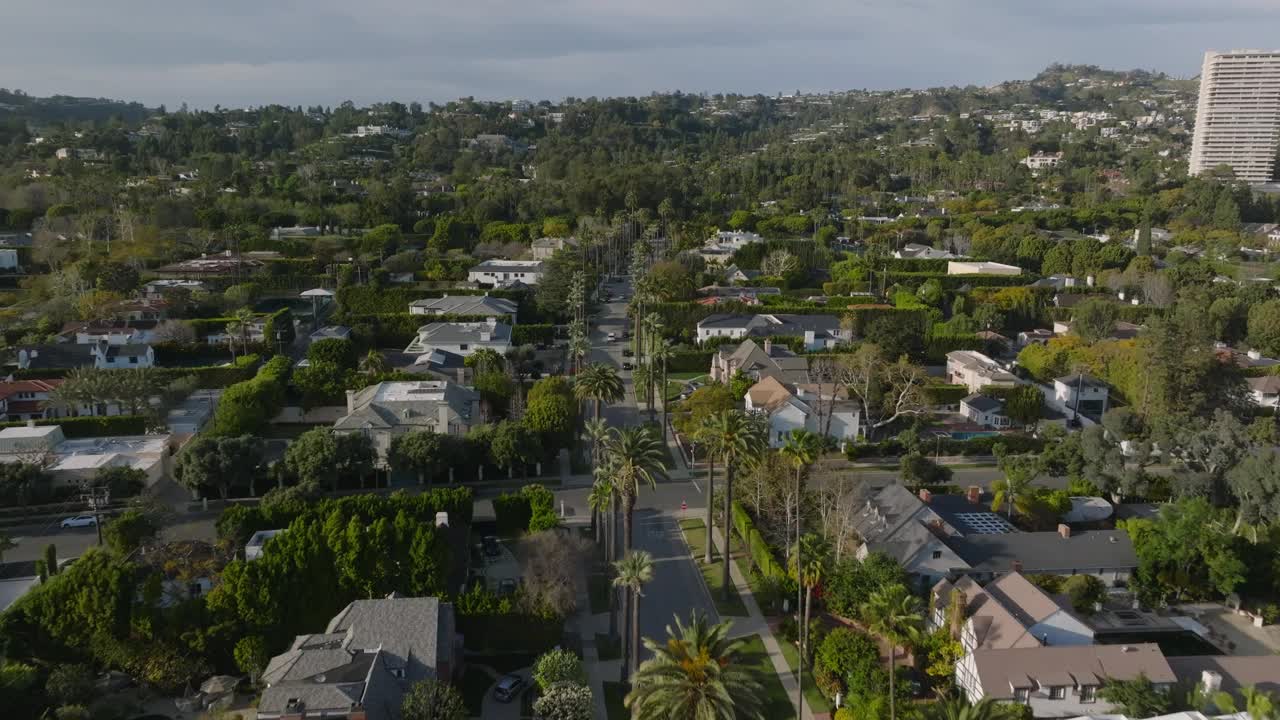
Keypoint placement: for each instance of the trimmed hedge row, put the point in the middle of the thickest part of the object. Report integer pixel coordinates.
(207, 376)
(761, 555)
(542, 333)
(968, 448)
(690, 361)
(93, 426)
(936, 347)
(954, 282)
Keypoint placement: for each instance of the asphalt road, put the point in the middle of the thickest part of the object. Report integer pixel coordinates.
(677, 587)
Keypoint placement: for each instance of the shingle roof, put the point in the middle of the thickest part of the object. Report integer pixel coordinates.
(1047, 552)
(1268, 385)
(467, 305)
(1237, 671)
(982, 403)
(1001, 671)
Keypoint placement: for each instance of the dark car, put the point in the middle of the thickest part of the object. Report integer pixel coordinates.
(491, 547)
(507, 586)
(626, 366)
(625, 334)
(626, 352)
(509, 688)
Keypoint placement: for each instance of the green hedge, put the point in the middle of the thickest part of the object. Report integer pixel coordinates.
(946, 394)
(1128, 313)
(936, 347)
(542, 333)
(93, 426)
(894, 448)
(207, 376)
(954, 282)
(761, 554)
(246, 407)
(690, 361)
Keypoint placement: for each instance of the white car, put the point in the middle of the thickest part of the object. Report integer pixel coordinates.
(613, 336)
(80, 521)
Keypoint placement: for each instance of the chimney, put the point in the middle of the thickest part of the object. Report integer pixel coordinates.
(974, 494)
(1210, 682)
(768, 347)
(442, 519)
(462, 376)
(492, 321)
(1070, 282)
(1089, 280)
(925, 496)
(1064, 530)
(351, 401)
(1017, 566)
(1254, 355)
(357, 712)
(442, 411)
(1120, 295)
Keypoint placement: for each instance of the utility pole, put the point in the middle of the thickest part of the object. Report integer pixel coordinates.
(97, 499)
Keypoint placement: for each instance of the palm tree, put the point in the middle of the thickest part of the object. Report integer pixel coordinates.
(239, 325)
(1020, 473)
(809, 565)
(705, 434)
(374, 363)
(633, 572)
(635, 456)
(644, 378)
(599, 500)
(659, 355)
(801, 450)
(957, 707)
(596, 432)
(893, 613)
(600, 384)
(579, 347)
(698, 673)
(734, 436)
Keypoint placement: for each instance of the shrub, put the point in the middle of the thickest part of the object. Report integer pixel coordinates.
(558, 666)
(852, 658)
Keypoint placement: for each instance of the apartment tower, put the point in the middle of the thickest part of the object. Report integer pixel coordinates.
(1238, 114)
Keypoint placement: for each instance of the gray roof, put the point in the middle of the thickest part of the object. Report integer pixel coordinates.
(982, 403)
(509, 266)
(1237, 671)
(1078, 379)
(132, 350)
(64, 355)
(1002, 671)
(467, 305)
(751, 358)
(413, 403)
(1047, 552)
(370, 654)
(893, 522)
(452, 333)
(763, 325)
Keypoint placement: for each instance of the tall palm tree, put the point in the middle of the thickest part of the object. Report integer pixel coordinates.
(374, 363)
(596, 432)
(705, 434)
(893, 613)
(801, 449)
(1015, 488)
(600, 384)
(633, 572)
(599, 500)
(240, 323)
(579, 348)
(659, 356)
(698, 673)
(643, 378)
(809, 565)
(957, 707)
(734, 436)
(635, 456)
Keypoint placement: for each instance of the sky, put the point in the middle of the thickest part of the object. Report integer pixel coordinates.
(322, 52)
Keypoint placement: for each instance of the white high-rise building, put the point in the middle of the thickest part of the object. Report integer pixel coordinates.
(1238, 114)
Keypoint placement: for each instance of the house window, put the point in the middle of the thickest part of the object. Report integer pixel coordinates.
(1020, 694)
(463, 346)
(1087, 693)
(937, 554)
(133, 360)
(1057, 692)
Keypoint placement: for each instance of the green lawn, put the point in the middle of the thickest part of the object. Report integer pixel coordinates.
(813, 697)
(613, 694)
(686, 376)
(607, 647)
(475, 683)
(776, 703)
(695, 534)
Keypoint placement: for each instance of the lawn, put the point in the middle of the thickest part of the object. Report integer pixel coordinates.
(475, 683)
(813, 697)
(614, 692)
(695, 535)
(776, 703)
(684, 377)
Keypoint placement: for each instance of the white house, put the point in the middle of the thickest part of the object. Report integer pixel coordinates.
(1265, 391)
(1010, 612)
(461, 338)
(465, 305)
(1081, 393)
(801, 407)
(73, 462)
(976, 371)
(974, 267)
(389, 409)
(985, 410)
(8, 259)
(1042, 160)
(818, 331)
(257, 541)
(503, 272)
(899, 524)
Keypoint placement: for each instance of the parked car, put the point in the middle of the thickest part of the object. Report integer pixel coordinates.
(491, 547)
(507, 586)
(80, 521)
(509, 688)
(626, 334)
(627, 366)
(613, 336)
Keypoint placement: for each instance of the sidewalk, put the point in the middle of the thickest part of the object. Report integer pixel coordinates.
(756, 624)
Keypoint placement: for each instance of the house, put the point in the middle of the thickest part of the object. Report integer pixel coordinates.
(1008, 613)
(818, 331)
(1059, 680)
(157, 288)
(257, 541)
(101, 355)
(364, 662)
(976, 371)
(226, 264)
(34, 400)
(759, 361)
(1249, 359)
(1042, 160)
(113, 332)
(393, 408)
(922, 252)
(498, 273)
(734, 274)
(1040, 336)
(803, 407)
(899, 524)
(330, 332)
(1056, 282)
(1229, 673)
(738, 293)
(8, 259)
(1080, 393)
(981, 268)
(1105, 554)
(1265, 391)
(543, 248)
(1121, 330)
(74, 462)
(462, 338)
(18, 577)
(1159, 236)
(985, 410)
(466, 305)
(733, 239)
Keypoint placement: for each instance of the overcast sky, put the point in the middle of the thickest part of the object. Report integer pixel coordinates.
(248, 52)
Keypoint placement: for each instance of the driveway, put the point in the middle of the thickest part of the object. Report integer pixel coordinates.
(494, 710)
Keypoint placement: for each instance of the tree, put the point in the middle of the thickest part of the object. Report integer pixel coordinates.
(1024, 404)
(1015, 488)
(339, 351)
(1085, 593)
(893, 613)
(698, 673)
(1138, 697)
(1255, 484)
(808, 567)
(851, 583)
(322, 457)
(374, 363)
(705, 402)
(550, 410)
(1185, 552)
(6, 543)
(514, 444)
(885, 391)
(421, 452)
(239, 328)
(557, 666)
(1264, 326)
(957, 707)
(433, 699)
(635, 456)
(251, 656)
(801, 449)
(565, 701)
(632, 573)
(219, 462)
(128, 531)
(850, 660)
(734, 436)
(1207, 449)
(1094, 320)
(321, 383)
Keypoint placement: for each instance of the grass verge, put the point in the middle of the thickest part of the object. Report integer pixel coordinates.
(695, 534)
(776, 703)
(813, 697)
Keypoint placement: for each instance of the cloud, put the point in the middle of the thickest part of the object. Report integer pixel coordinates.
(238, 52)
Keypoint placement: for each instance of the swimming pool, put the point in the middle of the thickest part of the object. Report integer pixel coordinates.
(973, 434)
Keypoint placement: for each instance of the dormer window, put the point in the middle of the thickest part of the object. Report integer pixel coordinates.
(398, 672)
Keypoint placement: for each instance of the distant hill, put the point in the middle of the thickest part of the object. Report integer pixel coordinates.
(65, 108)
